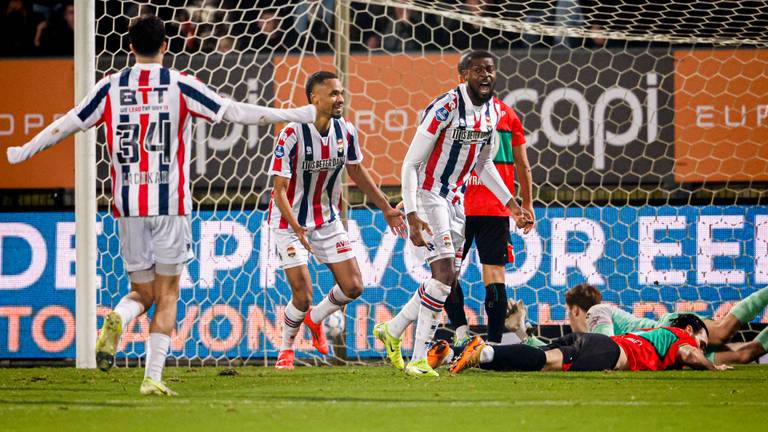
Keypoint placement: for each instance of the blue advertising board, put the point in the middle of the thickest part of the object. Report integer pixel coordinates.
(648, 260)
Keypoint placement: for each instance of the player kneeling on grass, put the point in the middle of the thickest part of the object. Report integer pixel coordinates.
(587, 314)
(147, 112)
(306, 166)
(672, 347)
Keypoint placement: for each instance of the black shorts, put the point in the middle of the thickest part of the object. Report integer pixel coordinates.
(491, 234)
(586, 352)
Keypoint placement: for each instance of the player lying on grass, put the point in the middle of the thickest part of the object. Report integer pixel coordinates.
(672, 347)
(586, 313)
(147, 111)
(304, 214)
(456, 135)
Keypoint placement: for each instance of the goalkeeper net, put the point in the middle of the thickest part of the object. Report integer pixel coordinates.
(645, 125)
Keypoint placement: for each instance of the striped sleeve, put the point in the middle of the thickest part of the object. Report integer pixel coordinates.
(201, 100)
(438, 114)
(354, 154)
(284, 153)
(90, 110)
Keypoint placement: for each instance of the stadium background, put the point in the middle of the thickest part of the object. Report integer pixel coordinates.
(665, 212)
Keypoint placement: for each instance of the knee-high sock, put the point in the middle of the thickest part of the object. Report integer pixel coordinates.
(433, 296)
(335, 300)
(407, 314)
(518, 357)
(291, 323)
(128, 309)
(157, 350)
(454, 306)
(746, 310)
(496, 310)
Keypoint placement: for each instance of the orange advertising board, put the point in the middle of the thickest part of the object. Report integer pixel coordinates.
(385, 95)
(721, 115)
(35, 93)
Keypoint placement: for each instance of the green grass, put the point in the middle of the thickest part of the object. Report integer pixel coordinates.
(376, 398)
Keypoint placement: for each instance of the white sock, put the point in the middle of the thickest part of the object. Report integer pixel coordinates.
(128, 309)
(335, 300)
(407, 314)
(430, 311)
(291, 324)
(486, 355)
(462, 332)
(157, 350)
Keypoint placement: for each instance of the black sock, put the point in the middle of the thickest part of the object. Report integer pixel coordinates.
(516, 357)
(496, 310)
(454, 306)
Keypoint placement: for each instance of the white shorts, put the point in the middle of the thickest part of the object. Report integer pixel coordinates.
(330, 244)
(447, 222)
(147, 240)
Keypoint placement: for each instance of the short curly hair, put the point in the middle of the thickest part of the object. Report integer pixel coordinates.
(584, 296)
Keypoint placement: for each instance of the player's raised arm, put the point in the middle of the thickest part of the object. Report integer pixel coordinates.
(203, 102)
(86, 114)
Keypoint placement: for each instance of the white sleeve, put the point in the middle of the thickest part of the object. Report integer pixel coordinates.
(89, 111)
(417, 155)
(600, 319)
(284, 150)
(246, 113)
(55, 132)
(201, 100)
(488, 173)
(354, 154)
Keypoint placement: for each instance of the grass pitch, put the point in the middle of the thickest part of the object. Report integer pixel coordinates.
(377, 398)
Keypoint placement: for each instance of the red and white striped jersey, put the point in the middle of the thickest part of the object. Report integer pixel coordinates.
(460, 132)
(313, 164)
(146, 110)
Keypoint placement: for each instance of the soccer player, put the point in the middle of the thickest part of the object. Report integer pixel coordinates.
(146, 110)
(455, 136)
(680, 344)
(304, 212)
(586, 313)
(487, 224)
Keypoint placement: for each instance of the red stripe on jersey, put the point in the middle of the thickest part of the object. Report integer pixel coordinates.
(180, 152)
(144, 160)
(317, 197)
(291, 188)
(106, 118)
(429, 180)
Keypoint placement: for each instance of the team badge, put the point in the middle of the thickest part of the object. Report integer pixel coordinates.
(340, 145)
(447, 240)
(291, 251)
(442, 114)
(279, 151)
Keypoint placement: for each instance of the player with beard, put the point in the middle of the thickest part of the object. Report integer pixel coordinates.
(304, 211)
(455, 136)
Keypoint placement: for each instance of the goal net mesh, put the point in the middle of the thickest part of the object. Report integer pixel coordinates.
(645, 126)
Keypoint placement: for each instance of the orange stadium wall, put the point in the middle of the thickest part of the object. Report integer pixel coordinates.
(35, 93)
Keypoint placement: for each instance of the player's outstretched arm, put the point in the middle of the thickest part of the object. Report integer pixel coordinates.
(695, 359)
(364, 181)
(48, 137)
(251, 114)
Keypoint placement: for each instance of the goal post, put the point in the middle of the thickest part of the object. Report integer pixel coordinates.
(85, 192)
(645, 130)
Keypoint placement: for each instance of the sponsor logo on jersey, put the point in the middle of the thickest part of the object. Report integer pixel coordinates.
(430, 247)
(291, 251)
(279, 151)
(343, 247)
(467, 136)
(441, 114)
(322, 164)
(447, 240)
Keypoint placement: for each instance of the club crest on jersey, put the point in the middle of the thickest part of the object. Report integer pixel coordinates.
(447, 240)
(279, 151)
(340, 145)
(291, 251)
(343, 247)
(442, 114)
